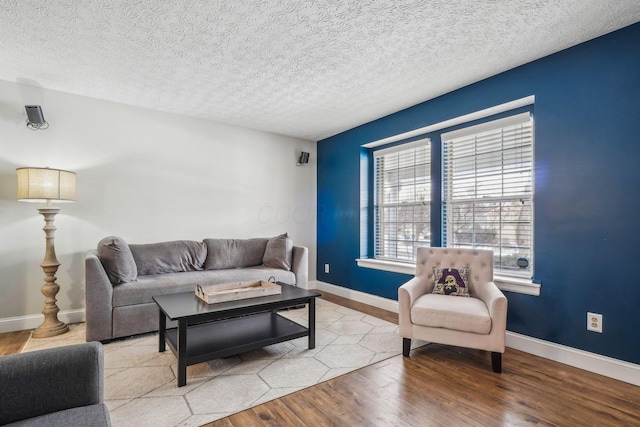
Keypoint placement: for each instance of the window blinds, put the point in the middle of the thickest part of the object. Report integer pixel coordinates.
(402, 200)
(488, 190)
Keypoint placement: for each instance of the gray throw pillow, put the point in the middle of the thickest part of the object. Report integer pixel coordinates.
(169, 257)
(118, 262)
(234, 253)
(279, 252)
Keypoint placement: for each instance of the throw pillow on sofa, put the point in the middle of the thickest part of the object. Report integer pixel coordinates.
(117, 259)
(279, 252)
(234, 253)
(169, 257)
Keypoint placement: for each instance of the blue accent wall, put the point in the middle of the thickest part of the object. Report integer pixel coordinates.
(587, 192)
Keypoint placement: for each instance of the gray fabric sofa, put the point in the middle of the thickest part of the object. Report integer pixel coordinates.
(61, 386)
(122, 278)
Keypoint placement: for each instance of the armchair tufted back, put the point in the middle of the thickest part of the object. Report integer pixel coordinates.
(479, 262)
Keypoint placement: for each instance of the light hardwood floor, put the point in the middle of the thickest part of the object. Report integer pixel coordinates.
(443, 386)
(449, 386)
(12, 342)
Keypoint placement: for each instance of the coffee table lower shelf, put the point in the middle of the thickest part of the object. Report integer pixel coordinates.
(224, 338)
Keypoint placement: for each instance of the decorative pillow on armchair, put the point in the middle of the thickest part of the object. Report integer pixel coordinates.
(451, 281)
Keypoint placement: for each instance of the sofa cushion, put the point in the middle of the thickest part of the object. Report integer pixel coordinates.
(461, 314)
(169, 257)
(118, 262)
(234, 253)
(451, 281)
(146, 287)
(279, 252)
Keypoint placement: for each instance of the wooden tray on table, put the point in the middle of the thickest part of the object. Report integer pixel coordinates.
(224, 292)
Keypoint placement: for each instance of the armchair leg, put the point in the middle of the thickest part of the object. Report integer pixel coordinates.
(406, 346)
(496, 361)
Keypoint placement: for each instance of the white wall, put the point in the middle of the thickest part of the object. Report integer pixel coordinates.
(143, 175)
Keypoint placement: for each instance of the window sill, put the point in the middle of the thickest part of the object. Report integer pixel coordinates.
(510, 284)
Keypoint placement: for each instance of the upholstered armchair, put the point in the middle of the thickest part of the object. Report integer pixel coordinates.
(62, 386)
(448, 316)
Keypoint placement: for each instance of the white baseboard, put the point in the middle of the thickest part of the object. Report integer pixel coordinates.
(374, 300)
(22, 323)
(596, 363)
(602, 365)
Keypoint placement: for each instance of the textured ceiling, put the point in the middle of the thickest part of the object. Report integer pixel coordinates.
(303, 68)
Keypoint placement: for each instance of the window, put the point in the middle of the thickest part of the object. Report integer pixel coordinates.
(402, 199)
(487, 191)
(474, 189)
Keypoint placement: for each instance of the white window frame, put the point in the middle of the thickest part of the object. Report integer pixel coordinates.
(519, 285)
(391, 244)
(474, 162)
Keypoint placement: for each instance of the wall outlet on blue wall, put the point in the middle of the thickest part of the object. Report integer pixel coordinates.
(594, 322)
(326, 268)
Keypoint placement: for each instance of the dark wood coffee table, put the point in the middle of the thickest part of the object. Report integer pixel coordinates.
(213, 331)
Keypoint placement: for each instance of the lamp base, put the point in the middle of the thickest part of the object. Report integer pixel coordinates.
(51, 325)
(50, 330)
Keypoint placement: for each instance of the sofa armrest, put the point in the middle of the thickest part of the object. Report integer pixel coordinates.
(99, 299)
(300, 266)
(51, 380)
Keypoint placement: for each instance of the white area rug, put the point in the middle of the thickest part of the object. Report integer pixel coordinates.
(141, 387)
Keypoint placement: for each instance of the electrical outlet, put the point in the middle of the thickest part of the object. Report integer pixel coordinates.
(326, 268)
(594, 322)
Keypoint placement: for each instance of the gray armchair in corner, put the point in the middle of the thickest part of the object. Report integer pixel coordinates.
(61, 386)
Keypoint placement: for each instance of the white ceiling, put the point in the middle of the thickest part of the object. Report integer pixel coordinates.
(305, 68)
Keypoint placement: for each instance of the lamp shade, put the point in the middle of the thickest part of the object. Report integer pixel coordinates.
(46, 185)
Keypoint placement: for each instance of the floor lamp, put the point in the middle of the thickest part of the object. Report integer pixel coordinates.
(46, 185)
